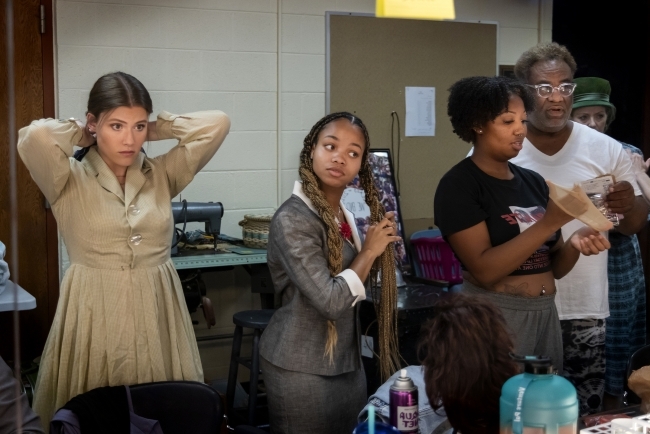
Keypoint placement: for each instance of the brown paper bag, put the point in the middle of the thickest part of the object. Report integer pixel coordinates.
(576, 203)
(639, 383)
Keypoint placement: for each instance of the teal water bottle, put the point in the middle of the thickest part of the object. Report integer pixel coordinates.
(537, 401)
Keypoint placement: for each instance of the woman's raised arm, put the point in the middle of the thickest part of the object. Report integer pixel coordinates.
(199, 136)
(45, 146)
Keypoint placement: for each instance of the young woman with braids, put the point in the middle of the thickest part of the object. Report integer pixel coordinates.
(121, 317)
(310, 351)
(498, 219)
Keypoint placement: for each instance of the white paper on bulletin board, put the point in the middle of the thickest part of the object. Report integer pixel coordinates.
(420, 111)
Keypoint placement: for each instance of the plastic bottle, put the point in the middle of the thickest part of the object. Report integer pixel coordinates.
(404, 404)
(373, 426)
(537, 401)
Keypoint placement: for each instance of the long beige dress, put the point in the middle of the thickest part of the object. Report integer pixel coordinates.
(121, 316)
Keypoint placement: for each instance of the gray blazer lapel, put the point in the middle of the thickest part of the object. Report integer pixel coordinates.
(353, 225)
(356, 240)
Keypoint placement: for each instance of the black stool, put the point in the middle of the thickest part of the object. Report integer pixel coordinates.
(257, 320)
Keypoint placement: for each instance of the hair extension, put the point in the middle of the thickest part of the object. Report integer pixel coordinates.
(386, 304)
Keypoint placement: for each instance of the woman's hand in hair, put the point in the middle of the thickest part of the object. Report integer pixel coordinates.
(380, 235)
(390, 216)
(87, 139)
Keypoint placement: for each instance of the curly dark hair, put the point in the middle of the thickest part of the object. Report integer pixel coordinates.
(540, 53)
(475, 101)
(465, 350)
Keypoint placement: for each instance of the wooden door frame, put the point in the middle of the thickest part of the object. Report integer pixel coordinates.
(49, 111)
(35, 98)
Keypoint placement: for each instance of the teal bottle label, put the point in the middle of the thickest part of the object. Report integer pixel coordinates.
(517, 420)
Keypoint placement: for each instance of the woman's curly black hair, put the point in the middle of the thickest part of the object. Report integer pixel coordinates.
(475, 101)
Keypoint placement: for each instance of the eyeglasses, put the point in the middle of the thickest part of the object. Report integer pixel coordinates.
(546, 90)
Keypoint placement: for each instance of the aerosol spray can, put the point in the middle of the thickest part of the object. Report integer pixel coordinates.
(404, 404)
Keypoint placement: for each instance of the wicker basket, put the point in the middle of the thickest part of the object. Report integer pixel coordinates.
(255, 230)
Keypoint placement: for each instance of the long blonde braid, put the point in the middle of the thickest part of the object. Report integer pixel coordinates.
(385, 301)
(387, 306)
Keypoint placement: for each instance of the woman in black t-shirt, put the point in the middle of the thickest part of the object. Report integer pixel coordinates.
(497, 217)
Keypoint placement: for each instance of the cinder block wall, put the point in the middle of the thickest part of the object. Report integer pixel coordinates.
(260, 61)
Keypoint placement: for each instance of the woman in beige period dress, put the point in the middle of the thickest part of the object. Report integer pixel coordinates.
(121, 316)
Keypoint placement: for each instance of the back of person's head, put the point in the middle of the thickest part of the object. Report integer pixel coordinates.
(543, 52)
(113, 90)
(475, 101)
(465, 349)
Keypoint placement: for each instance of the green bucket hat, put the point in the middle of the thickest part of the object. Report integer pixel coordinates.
(594, 91)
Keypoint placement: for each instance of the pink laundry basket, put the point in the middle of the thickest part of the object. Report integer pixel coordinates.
(437, 260)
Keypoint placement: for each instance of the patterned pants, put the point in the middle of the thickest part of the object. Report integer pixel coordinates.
(584, 360)
(626, 329)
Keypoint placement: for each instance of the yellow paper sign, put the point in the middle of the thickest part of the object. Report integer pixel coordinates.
(416, 9)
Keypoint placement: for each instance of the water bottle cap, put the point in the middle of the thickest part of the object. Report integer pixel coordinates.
(540, 365)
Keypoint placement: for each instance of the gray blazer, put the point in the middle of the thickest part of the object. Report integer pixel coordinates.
(297, 258)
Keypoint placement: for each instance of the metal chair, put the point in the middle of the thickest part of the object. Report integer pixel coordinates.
(179, 407)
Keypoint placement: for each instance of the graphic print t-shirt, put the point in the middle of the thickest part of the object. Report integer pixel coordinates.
(467, 196)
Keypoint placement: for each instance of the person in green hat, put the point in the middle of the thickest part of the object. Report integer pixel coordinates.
(625, 327)
(591, 104)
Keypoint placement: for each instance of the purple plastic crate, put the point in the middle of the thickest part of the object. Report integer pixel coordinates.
(437, 260)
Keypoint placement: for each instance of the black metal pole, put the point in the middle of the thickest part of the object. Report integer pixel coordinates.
(13, 199)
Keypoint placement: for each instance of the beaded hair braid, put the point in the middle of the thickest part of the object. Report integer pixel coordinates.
(386, 305)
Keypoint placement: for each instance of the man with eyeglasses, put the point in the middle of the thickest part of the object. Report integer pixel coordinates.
(568, 153)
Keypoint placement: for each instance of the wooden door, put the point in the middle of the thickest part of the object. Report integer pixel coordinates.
(37, 260)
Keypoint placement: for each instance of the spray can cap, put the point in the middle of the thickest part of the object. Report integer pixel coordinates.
(403, 382)
(534, 364)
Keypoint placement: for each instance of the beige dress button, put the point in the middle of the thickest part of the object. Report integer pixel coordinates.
(134, 210)
(135, 239)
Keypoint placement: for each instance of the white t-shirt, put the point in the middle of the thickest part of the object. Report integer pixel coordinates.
(587, 154)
